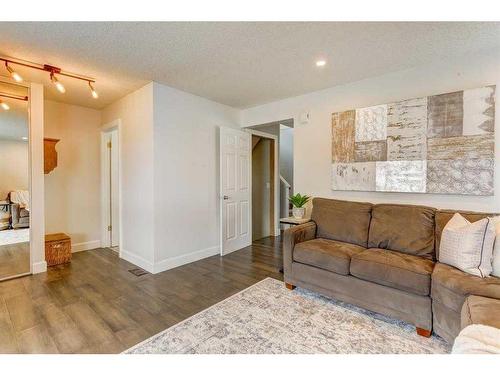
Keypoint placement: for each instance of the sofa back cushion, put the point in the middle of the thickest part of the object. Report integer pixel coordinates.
(405, 228)
(342, 220)
(443, 216)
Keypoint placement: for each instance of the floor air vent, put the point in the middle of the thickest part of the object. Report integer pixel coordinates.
(138, 271)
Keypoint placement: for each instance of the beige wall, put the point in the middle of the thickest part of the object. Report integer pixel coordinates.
(14, 170)
(72, 190)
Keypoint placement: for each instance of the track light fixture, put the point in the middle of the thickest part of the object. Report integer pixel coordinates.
(94, 93)
(59, 85)
(4, 106)
(13, 73)
(52, 70)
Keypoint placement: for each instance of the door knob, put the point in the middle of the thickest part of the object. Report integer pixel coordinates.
(225, 197)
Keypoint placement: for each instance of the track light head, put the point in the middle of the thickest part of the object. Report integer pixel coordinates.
(13, 73)
(95, 95)
(59, 85)
(4, 105)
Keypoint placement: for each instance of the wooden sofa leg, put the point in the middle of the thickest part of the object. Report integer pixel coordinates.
(423, 332)
(290, 286)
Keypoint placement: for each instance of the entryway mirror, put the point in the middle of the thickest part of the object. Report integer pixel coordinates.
(14, 181)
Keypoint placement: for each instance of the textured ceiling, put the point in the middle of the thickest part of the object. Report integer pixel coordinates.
(239, 64)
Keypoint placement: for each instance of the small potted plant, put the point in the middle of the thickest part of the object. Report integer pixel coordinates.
(298, 201)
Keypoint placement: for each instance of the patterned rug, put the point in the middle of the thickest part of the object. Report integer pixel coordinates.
(267, 318)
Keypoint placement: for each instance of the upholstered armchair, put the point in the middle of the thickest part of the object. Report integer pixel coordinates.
(20, 216)
(19, 209)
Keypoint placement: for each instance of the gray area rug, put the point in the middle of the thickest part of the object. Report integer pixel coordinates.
(267, 318)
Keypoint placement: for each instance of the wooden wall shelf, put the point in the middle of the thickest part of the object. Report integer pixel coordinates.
(49, 154)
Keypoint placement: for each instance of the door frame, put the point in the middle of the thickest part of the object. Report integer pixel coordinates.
(105, 238)
(36, 226)
(276, 178)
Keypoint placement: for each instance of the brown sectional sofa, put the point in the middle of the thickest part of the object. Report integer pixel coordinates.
(383, 257)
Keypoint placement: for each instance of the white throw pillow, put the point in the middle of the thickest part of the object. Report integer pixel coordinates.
(496, 249)
(468, 246)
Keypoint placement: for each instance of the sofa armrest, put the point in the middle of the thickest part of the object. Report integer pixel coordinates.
(293, 236)
(15, 212)
(480, 310)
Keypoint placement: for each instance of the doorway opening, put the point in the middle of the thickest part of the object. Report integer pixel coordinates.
(272, 176)
(263, 192)
(250, 184)
(110, 187)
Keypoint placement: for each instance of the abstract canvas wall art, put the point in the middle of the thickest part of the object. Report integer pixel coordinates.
(441, 144)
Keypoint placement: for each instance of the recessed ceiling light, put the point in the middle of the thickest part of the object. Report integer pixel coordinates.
(321, 63)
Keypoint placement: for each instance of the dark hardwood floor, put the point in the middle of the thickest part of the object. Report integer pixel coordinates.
(94, 305)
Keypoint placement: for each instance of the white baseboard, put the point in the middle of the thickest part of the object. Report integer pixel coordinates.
(39, 267)
(180, 260)
(137, 260)
(82, 246)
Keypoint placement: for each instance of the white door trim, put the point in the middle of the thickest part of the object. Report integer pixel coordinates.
(276, 177)
(37, 181)
(105, 241)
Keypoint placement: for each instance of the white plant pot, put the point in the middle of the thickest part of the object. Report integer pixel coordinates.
(298, 213)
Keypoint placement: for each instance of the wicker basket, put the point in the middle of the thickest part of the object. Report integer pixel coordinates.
(57, 249)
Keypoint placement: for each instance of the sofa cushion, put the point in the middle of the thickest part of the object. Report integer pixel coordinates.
(443, 216)
(24, 213)
(451, 287)
(468, 246)
(405, 228)
(481, 310)
(342, 220)
(330, 255)
(394, 269)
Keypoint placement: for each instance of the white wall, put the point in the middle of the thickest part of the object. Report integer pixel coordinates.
(72, 189)
(312, 148)
(14, 168)
(136, 114)
(186, 175)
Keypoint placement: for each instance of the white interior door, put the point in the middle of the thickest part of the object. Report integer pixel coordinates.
(110, 213)
(235, 189)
